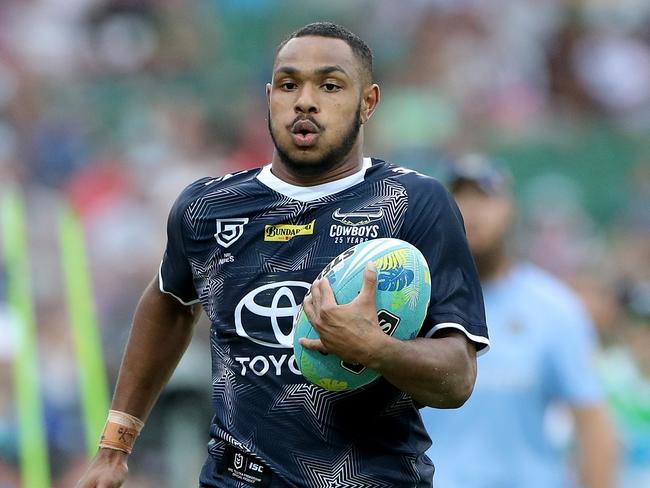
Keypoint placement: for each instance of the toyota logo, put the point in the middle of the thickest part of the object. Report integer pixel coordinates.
(272, 301)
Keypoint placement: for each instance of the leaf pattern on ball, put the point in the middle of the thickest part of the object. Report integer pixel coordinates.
(412, 295)
(394, 279)
(392, 260)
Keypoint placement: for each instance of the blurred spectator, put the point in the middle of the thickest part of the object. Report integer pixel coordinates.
(542, 356)
(625, 370)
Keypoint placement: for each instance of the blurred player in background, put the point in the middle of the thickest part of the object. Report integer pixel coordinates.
(544, 352)
(246, 247)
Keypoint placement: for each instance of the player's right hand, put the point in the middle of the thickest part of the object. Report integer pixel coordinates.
(107, 470)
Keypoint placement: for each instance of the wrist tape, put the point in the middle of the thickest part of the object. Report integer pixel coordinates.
(121, 431)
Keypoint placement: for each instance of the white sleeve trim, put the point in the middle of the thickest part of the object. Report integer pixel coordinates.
(162, 289)
(472, 337)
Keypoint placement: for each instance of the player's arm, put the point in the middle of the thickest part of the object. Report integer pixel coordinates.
(575, 380)
(597, 449)
(438, 372)
(161, 331)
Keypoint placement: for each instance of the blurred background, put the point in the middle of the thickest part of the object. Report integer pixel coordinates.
(116, 105)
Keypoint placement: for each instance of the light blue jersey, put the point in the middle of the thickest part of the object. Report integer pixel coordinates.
(543, 350)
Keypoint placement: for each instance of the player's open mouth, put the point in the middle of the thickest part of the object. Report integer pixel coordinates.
(305, 133)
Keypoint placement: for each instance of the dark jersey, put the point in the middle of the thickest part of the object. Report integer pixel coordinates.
(247, 247)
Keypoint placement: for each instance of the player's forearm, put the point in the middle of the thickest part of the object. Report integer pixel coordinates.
(597, 453)
(438, 372)
(162, 329)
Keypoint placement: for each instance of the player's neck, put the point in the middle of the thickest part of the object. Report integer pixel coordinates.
(350, 165)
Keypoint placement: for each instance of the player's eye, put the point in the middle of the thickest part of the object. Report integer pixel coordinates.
(331, 87)
(288, 85)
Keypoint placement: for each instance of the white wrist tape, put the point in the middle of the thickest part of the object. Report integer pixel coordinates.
(121, 431)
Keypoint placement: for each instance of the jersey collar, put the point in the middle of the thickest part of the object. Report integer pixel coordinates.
(310, 193)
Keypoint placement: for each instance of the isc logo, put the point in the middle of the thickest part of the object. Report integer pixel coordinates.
(255, 467)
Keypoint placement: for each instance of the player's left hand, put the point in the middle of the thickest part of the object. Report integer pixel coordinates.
(350, 331)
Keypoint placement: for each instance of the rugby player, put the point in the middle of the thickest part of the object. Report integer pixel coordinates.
(246, 247)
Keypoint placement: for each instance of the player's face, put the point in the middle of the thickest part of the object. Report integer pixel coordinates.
(316, 104)
(487, 217)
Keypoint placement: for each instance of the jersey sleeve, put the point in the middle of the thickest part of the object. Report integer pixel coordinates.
(572, 357)
(434, 225)
(175, 275)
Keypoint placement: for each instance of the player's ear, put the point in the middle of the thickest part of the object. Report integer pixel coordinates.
(369, 101)
(268, 94)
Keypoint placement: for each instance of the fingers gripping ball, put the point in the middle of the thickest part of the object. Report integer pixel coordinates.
(402, 297)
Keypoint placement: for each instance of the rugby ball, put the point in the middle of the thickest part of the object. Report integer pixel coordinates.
(402, 297)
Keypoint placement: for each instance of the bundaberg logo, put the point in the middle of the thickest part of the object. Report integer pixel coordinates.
(286, 232)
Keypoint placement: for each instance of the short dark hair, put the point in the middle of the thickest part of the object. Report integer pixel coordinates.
(335, 31)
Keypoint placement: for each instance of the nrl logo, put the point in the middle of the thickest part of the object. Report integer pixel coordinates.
(239, 461)
(357, 218)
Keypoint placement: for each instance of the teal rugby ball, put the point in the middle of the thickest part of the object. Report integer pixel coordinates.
(403, 292)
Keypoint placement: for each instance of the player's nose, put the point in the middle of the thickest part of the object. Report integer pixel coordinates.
(306, 102)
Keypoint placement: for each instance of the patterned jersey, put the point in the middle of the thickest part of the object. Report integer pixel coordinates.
(247, 246)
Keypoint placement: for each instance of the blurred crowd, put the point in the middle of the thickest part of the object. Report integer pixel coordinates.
(116, 105)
